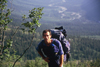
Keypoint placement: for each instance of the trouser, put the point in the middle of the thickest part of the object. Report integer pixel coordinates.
(53, 63)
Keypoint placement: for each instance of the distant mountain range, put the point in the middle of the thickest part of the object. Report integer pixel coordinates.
(77, 16)
(60, 10)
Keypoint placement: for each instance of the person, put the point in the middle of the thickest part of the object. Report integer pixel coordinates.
(51, 50)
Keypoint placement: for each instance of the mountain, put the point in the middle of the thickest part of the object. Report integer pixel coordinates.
(57, 10)
(78, 17)
(92, 8)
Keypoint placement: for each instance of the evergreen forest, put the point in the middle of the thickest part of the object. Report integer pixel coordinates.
(20, 35)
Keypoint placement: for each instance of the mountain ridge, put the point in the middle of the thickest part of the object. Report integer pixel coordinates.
(69, 14)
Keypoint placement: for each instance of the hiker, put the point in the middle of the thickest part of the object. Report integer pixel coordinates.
(51, 50)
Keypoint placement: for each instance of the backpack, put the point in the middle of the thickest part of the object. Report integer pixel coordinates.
(62, 30)
(61, 34)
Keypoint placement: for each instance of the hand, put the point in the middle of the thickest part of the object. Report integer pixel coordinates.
(60, 65)
(47, 59)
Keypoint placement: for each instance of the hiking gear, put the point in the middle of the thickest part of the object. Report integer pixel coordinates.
(60, 34)
(57, 34)
(66, 57)
(62, 30)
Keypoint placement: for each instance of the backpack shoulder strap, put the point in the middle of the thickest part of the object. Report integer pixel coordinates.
(55, 42)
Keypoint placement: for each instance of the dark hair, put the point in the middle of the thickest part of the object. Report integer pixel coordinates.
(45, 31)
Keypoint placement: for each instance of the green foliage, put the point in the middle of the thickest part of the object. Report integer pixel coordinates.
(4, 21)
(9, 59)
(30, 64)
(6, 42)
(33, 23)
(95, 63)
(81, 47)
(85, 48)
(77, 63)
(38, 62)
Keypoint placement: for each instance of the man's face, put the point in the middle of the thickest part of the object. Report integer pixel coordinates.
(47, 36)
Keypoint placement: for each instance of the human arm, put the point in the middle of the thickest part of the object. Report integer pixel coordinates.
(61, 53)
(61, 60)
(39, 47)
(44, 58)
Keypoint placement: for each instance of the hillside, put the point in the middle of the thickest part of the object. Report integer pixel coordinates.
(82, 48)
(60, 10)
(73, 15)
(53, 10)
(80, 20)
(70, 14)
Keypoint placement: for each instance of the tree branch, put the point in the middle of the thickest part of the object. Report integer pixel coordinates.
(25, 49)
